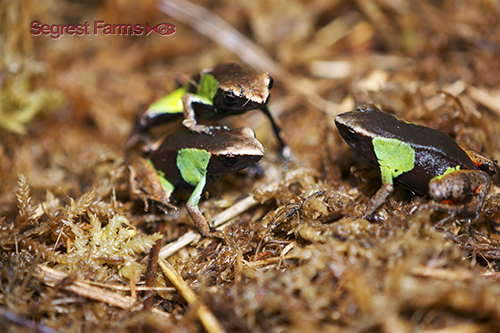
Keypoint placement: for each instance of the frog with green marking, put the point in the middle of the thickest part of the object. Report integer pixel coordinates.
(225, 90)
(193, 161)
(426, 161)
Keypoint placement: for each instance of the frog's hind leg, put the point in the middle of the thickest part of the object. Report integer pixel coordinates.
(201, 223)
(469, 186)
(481, 161)
(444, 220)
(466, 219)
(189, 114)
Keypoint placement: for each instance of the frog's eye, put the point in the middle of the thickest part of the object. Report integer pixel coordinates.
(230, 98)
(229, 160)
(351, 134)
(271, 83)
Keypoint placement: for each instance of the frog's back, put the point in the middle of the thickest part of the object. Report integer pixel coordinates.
(236, 142)
(438, 146)
(435, 152)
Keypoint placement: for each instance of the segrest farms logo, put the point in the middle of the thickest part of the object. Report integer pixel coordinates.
(56, 31)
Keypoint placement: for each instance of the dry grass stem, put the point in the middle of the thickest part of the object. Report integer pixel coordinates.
(206, 317)
(52, 277)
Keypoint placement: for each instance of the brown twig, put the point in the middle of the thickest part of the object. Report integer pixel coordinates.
(152, 269)
(9, 317)
(206, 317)
(443, 273)
(51, 277)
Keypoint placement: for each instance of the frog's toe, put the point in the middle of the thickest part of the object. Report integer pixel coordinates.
(217, 128)
(207, 130)
(368, 215)
(164, 206)
(196, 128)
(212, 233)
(286, 154)
(217, 234)
(146, 205)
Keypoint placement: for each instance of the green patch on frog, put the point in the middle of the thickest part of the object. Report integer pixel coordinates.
(193, 164)
(394, 157)
(449, 170)
(165, 184)
(207, 88)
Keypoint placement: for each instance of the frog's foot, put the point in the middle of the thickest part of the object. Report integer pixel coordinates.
(469, 210)
(201, 223)
(369, 213)
(215, 128)
(460, 213)
(213, 233)
(474, 233)
(161, 205)
(287, 158)
(444, 207)
(442, 221)
(197, 128)
(468, 230)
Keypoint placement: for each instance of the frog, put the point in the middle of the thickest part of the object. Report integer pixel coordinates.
(221, 91)
(424, 160)
(192, 161)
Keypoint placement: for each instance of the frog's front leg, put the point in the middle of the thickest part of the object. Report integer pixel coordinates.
(193, 164)
(189, 115)
(379, 198)
(283, 147)
(199, 220)
(469, 187)
(383, 192)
